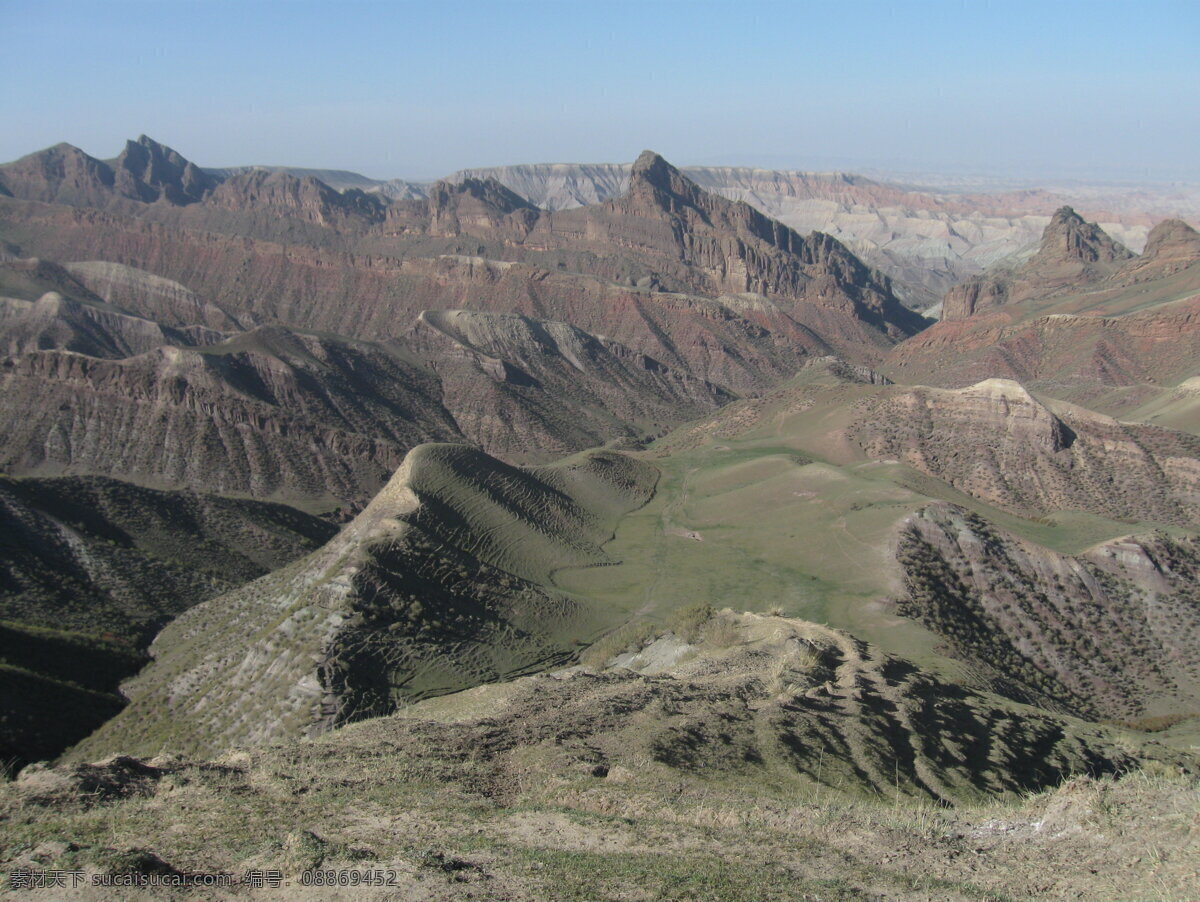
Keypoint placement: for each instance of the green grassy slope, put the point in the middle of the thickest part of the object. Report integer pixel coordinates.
(442, 582)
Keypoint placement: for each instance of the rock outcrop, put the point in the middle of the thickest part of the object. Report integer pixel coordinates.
(998, 443)
(1090, 326)
(1072, 253)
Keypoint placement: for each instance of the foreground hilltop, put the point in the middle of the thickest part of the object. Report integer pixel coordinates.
(737, 756)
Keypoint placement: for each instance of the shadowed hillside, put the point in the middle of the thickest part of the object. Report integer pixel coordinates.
(90, 570)
(442, 582)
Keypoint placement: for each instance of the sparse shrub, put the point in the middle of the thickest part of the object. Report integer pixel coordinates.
(688, 622)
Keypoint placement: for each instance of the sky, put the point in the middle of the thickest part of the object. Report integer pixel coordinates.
(1050, 90)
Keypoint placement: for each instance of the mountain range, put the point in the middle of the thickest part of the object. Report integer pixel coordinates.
(547, 475)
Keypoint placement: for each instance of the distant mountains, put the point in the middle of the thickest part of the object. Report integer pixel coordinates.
(925, 239)
(1082, 319)
(180, 298)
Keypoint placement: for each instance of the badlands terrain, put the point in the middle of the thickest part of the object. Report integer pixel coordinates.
(589, 532)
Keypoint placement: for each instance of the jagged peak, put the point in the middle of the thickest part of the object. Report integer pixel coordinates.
(648, 163)
(159, 171)
(652, 172)
(1069, 237)
(146, 147)
(1066, 214)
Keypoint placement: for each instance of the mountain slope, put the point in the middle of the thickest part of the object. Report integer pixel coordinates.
(1107, 633)
(313, 418)
(443, 581)
(508, 378)
(90, 569)
(268, 413)
(144, 172)
(925, 240)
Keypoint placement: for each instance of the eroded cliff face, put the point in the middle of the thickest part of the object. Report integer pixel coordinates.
(516, 383)
(148, 171)
(270, 413)
(998, 443)
(926, 241)
(1112, 632)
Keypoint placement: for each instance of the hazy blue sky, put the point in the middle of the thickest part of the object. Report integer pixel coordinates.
(1053, 89)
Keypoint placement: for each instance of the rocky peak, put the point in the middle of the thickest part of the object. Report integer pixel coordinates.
(1172, 238)
(651, 169)
(477, 207)
(1073, 252)
(59, 174)
(655, 182)
(1171, 246)
(1069, 238)
(147, 171)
